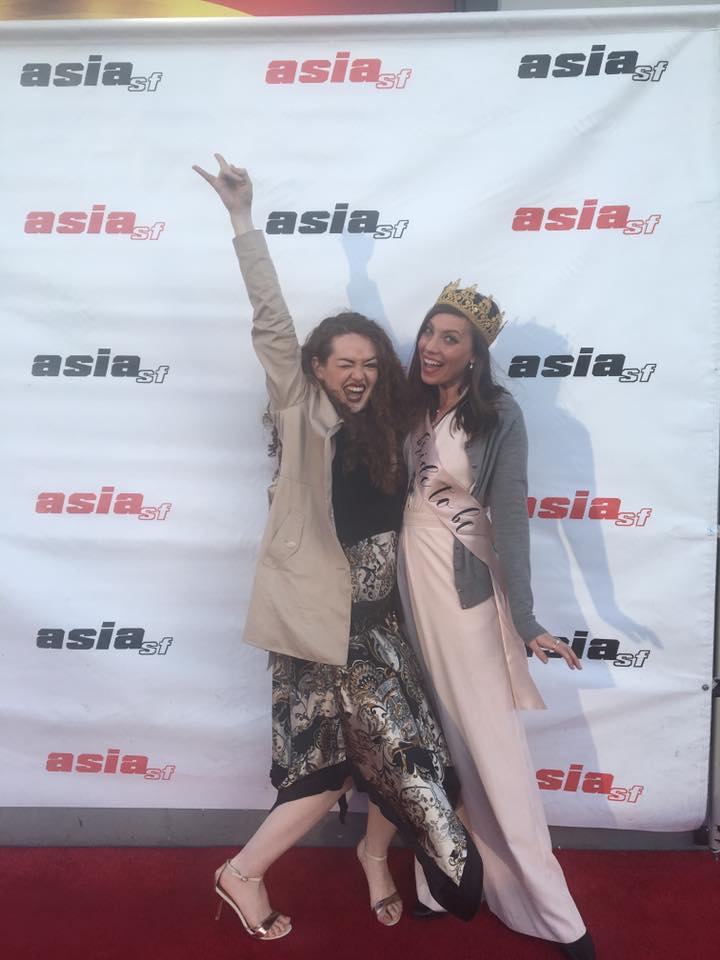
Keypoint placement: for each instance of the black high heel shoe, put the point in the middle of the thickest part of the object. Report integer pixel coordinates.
(582, 949)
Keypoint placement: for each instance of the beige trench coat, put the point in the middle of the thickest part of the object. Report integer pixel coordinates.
(301, 595)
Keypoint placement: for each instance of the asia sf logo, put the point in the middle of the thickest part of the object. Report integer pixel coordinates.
(613, 216)
(577, 779)
(587, 363)
(341, 69)
(108, 501)
(94, 73)
(540, 66)
(341, 219)
(582, 507)
(599, 649)
(113, 761)
(107, 637)
(101, 364)
(97, 220)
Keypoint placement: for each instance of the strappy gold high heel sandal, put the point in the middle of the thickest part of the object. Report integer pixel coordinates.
(381, 905)
(260, 932)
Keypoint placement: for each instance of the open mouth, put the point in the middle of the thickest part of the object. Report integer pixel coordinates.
(429, 364)
(353, 394)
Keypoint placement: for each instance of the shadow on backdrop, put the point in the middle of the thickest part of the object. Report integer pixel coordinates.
(563, 445)
(363, 293)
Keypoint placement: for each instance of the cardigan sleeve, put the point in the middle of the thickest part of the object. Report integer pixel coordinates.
(507, 499)
(273, 332)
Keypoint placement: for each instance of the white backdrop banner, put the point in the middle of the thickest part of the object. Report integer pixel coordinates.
(567, 164)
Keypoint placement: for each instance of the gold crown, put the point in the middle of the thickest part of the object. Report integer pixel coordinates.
(477, 312)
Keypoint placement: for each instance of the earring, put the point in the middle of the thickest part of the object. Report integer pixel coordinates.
(471, 365)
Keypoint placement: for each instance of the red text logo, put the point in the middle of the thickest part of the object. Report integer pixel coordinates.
(576, 779)
(582, 507)
(107, 501)
(98, 220)
(341, 69)
(113, 761)
(589, 216)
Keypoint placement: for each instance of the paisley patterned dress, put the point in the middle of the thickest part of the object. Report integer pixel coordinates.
(371, 718)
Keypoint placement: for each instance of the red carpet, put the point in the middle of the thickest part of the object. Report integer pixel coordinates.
(156, 904)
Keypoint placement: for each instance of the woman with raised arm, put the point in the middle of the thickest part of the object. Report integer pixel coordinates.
(348, 703)
(466, 588)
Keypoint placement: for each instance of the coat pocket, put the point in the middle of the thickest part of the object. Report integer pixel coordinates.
(286, 540)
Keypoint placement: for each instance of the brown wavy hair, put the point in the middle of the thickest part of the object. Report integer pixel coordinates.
(477, 412)
(373, 437)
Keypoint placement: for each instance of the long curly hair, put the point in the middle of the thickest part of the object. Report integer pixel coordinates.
(476, 413)
(373, 437)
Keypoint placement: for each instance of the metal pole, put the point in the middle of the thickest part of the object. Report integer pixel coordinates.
(714, 790)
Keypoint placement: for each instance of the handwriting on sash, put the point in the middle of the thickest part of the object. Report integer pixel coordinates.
(469, 522)
(442, 494)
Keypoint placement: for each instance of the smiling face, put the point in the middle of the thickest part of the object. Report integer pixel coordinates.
(350, 371)
(445, 349)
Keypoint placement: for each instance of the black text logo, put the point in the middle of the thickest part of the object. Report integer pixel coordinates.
(94, 73)
(108, 637)
(339, 220)
(102, 364)
(586, 364)
(599, 648)
(539, 66)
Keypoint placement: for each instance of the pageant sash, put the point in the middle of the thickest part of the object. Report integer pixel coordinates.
(467, 520)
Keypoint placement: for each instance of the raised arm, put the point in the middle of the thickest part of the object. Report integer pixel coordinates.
(273, 333)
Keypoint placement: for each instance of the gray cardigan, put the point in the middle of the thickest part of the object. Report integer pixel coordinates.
(499, 464)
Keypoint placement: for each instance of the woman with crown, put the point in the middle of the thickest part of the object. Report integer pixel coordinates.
(349, 704)
(466, 588)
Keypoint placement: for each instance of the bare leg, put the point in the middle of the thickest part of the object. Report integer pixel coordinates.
(375, 844)
(379, 832)
(282, 828)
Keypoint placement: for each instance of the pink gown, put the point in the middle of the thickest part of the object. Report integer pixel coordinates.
(463, 655)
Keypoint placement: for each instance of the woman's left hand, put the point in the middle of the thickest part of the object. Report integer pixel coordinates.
(546, 642)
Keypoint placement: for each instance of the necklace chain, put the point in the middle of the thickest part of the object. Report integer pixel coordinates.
(441, 414)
